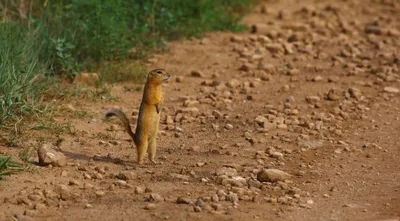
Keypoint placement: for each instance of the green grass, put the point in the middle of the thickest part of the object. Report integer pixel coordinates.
(9, 166)
(22, 76)
(48, 42)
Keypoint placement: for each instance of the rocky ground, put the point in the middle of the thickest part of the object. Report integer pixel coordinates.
(297, 119)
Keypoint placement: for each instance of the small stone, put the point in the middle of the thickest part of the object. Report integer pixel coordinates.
(120, 183)
(48, 155)
(260, 120)
(88, 206)
(233, 83)
(277, 155)
(312, 99)
(317, 78)
(98, 176)
(216, 206)
(236, 38)
(169, 120)
(197, 209)
(63, 191)
(274, 48)
(373, 29)
(87, 176)
(150, 206)
(391, 90)
(355, 93)
(29, 212)
(183, 200)
(40, 206)
(333, 79)
(100, 193)
(139, 190)
(227, 171)
(257, 199)
(197, 74)
(179, 79)
(200, 164)
(87, 186)
(333, 95)
(195, 148)
(272, 175)
(35, 197)
(156, 197)
(20, 217)
(199, 202)
(311, 144)
(261, 28)
(126, 175)
(217, 114)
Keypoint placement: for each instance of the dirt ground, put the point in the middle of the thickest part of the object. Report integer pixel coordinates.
(313, 91)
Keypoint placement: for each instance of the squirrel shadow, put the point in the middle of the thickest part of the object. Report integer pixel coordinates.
(106, 159)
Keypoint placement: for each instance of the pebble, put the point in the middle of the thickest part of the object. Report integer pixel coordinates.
(63, 191)
(49, 156)
(233, 83)
(217, 114)
(333, 95)
(100, 193)
(120, 183)
(156, 197)
(183, 200)
(227, 171)
(217, 206)
(139, 190)
(199, 202)
(311, 144)
(197, 209)
(312, 99)
(393, 90)
(272, 175)
(150, 206)
(197, 74)
(20, 217)
(40, 206)
(126, 175)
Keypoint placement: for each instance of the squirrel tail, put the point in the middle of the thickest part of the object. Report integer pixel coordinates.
(121, 115)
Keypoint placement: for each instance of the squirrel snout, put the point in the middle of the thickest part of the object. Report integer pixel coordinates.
(167, 77)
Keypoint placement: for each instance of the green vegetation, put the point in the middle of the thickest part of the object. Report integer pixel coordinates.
(42, 41)
(8, 166)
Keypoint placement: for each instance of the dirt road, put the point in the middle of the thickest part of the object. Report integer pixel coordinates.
(313, 92)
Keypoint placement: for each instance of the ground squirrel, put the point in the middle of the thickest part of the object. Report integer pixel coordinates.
(149, 115)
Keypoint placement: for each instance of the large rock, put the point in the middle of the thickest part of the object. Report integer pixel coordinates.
(48, 155)
(272, 175)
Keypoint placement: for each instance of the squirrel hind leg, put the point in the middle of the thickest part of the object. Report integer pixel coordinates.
(141, 151)
(152, 150)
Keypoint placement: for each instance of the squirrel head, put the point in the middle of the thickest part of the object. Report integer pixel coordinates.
(158, 76)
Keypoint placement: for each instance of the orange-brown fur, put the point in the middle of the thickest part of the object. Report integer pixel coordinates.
(149, 115)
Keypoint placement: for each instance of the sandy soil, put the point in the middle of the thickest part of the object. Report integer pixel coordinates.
(313, 92)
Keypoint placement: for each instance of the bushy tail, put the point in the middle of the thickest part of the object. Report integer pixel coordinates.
(121, 115)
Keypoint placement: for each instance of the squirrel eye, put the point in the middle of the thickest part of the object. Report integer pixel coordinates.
(159, 72)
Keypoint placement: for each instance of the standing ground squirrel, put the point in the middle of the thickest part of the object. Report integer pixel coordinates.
(149, 115)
